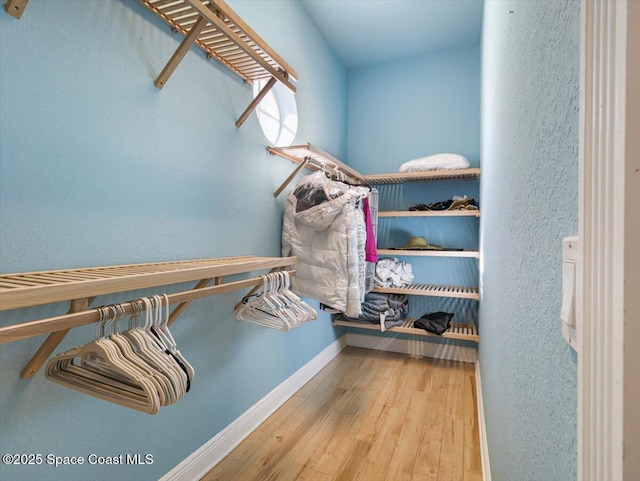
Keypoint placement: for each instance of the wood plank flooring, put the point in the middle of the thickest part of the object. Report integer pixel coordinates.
(368, 416)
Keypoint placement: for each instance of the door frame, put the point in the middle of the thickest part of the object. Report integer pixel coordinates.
(608, 302)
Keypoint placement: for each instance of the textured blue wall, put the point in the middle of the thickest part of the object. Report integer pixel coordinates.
(529, 186)
(409, 108)
(99, 167)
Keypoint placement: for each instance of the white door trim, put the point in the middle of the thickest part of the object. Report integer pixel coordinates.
(606, 225)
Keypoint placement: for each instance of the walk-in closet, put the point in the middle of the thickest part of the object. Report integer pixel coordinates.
(289, 240)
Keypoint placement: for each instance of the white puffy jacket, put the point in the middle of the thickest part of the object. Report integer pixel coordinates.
(328, 241)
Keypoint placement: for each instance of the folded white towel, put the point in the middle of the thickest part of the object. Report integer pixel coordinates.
(435, 162)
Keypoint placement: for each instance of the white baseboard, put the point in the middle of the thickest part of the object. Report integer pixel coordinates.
(482, 428)
(413, 347)
(213, 451)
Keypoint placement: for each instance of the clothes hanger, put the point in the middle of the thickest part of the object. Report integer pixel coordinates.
(310, 312)
(162, 317)
(175, 366)
(98, 370)
(259, 309)
(145, 347)
(166, 390)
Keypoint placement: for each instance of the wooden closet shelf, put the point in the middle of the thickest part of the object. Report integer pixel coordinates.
(303, 153)
(81, 286)
(223, 35)
(428, 253)
(434, 290)
(458, 330)
(429, 213)
(34, 288)
(400, 177)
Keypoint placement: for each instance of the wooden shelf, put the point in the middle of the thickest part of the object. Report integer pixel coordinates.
(34, 288)
(81, 286)
(433, 290)
(429, 213)
(459, 330)
(223, 35)
(428, 253)
(309, 152)
(398, 178)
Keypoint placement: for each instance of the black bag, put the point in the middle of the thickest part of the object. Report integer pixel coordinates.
(435, 322)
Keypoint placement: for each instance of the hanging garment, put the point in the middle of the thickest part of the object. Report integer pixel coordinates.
(371, 251)
(328, 240)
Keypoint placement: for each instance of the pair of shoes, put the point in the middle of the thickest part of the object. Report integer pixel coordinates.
(444, 205)
(419, 207)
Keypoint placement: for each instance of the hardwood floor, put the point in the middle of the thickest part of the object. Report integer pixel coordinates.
(368, 416)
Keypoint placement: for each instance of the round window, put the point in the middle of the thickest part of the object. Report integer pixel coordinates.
(277, 113)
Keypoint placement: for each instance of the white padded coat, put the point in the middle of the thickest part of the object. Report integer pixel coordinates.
(327, 239)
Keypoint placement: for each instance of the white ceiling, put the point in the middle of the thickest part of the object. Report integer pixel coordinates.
(363, 32)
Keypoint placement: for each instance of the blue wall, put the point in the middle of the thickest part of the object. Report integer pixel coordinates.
(409, 108)
(99, 167)
(529, 185)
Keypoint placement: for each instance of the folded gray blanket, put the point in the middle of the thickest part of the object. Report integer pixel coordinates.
(394, 307)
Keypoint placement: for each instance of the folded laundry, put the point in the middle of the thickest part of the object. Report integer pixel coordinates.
(391, 308)
(435, 322)
(390, 272)
(457, 203)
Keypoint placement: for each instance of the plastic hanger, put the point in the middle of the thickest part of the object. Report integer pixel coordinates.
(105, 374)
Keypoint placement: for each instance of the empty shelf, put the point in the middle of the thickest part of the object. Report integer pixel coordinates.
(459, 292)
(458, 330)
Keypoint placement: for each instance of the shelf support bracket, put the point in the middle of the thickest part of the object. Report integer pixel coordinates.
(254, 103)
(288, 180)
(16, 8)
(181, 51)
(53, 340)
(183, 305)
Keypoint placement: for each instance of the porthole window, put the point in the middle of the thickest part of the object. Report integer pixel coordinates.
(277, 113)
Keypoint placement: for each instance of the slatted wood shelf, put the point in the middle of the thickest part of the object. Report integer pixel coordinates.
(458, 330)
(35, 288)
(459, 292)
(399, 178)
(428, 253)
(81, 286)
(429, 213)
(225, 37)
(314, 157)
